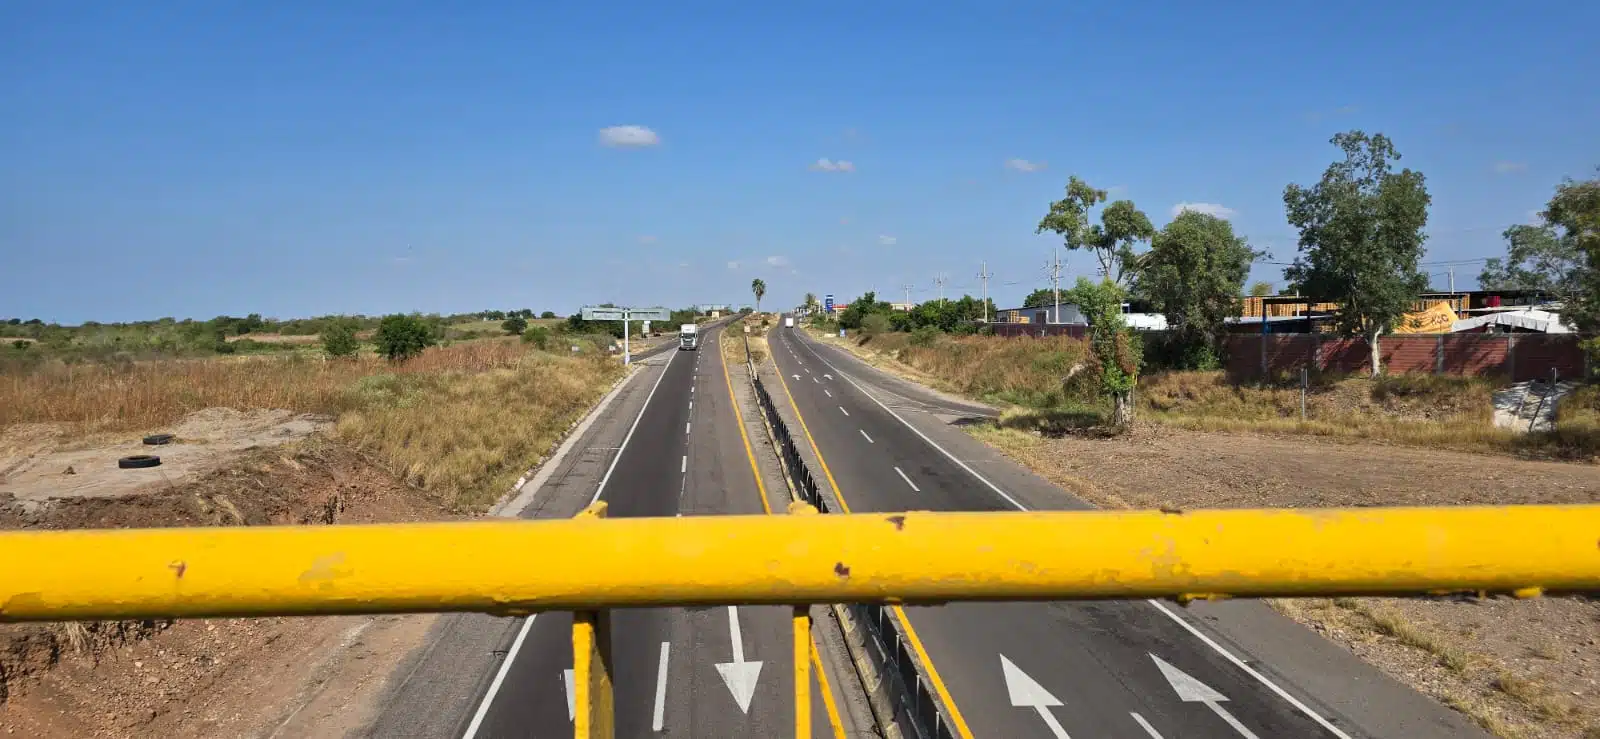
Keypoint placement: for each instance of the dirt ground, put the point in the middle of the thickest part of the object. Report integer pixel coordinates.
(1520, 668)
(40, 461)
(222, 677)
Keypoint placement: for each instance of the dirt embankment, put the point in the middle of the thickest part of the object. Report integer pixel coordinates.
(217, 677)
(1521, 668)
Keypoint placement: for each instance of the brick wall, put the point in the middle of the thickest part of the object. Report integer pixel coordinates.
(1521, 356)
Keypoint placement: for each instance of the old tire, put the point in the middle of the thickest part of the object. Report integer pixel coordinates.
(138, 461)
(158, 439)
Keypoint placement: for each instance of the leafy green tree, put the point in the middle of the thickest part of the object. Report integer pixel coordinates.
(514, 325)
(547, 315)
(758, 287)
(1193, 274)
(1574, 213)
(1044, 297)
(811, 302)
(1538, 259)
(401, 337)
(1122, 226)
(866, 305)
(1260, 289)
(1361, 237)
(1115, 347)
(339, 339)
(873, 324)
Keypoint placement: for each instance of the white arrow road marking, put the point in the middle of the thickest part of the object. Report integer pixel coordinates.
(797, 376)
(1028, 693)
(1190, 690)
(913, 485)
(1143, 724)
(659, 718)
(827, 375)
(572, 708)
(739, 675)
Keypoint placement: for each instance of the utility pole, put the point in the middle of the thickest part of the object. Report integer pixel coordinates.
(1452, 273)
(907, 287)
(1055, 278)
(940, 281)
(983, 274)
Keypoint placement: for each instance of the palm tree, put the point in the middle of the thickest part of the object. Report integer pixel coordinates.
(759, 287)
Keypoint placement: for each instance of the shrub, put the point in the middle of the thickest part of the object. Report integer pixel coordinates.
(20, 344)
(875, 323)
(401, 337)
(925, 336)
(539, 336)
(548, 314)
(339, 340)
(515, 325)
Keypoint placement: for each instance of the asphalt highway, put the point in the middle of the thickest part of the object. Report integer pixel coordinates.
(716, 672)
(1096, 669)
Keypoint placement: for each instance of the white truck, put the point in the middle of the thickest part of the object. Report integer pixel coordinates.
(688, 337)
(788, 321)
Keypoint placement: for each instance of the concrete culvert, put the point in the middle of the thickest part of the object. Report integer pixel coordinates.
(158, 439)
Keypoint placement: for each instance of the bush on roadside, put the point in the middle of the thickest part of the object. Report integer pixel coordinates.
(514, 325)
(401, 337)
(925, 336)
(874, 324)
(538, 336)
(339, 340)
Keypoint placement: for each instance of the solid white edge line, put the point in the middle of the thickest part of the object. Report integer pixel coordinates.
(527, 624)
(1248, 670)
(864, 436)
(499, 678)
(1143, 724)
(913, 485)
(1208, 641)
(659, 718)
(601, 488)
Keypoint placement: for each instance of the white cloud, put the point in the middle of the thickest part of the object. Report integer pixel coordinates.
(1210, 209)
(829, 165)
(647, 239)
(778, 261)
(1510, 167)
(887, 240)
(630, 137)
(733, 265)
(1023, 165)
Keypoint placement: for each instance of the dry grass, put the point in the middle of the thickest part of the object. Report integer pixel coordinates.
(1416, 410)
(1034, 372)
(467, 436)
(1393, 625)
(142, 395)
(462, 422)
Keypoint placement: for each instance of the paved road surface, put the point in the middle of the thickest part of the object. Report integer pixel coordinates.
(1102, 669)
(682, 453)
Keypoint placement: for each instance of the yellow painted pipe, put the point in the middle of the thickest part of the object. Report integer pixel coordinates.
(590, 562)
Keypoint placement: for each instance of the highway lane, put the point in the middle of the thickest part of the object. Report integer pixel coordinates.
(1031, 669)
(677, 671)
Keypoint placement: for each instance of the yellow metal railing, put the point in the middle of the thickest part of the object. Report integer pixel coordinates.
(504, 567)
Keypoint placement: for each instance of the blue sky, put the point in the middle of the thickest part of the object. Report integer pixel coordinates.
(190, 159)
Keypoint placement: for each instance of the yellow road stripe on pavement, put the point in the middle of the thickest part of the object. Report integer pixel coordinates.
(911, 633)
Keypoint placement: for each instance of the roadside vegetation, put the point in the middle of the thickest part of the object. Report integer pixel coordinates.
(456, 416)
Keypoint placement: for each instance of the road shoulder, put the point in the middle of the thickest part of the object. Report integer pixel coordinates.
(1361, 699)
